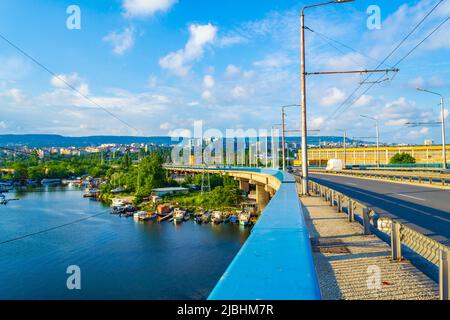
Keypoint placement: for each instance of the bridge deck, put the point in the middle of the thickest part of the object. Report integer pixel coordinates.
(344, 259)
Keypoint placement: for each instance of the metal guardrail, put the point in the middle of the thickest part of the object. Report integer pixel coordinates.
(442, 179)
(400, 234)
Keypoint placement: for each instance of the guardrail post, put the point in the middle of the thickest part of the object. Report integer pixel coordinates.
(444, 275)
(366, 220)
(350, 211)
(396, 243)
(331, 198)
(339, 203)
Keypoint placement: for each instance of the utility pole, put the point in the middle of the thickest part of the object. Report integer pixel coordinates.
(345, 149)
(444, 151)
(283, 134)
(304, 129)
(283, 145)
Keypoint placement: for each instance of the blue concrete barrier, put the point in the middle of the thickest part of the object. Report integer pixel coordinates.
(276, 262)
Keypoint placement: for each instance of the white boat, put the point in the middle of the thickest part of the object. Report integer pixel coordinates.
(217, 217)
(244, 219)
(117, 202)
(178, 216)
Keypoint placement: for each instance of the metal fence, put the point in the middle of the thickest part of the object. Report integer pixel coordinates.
(400, 234)
(441, 179)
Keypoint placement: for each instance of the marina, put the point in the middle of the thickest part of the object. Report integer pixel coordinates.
(140, 256)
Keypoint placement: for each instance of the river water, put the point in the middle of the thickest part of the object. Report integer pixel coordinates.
(52, 228)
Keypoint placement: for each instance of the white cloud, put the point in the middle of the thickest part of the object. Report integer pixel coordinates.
(232, 71)
(239, 92)
(207, 95)
(363, 101)
(3, 125)
(209, 82)
(63, 81)
(180, 133)
(16, 95)
(121, 42)
(415, 134)
(200, 36)
(396, 122)
(317, 123)
(273, 61)
(333, 97)
(166, 126)
(231, 40)
(144, 8)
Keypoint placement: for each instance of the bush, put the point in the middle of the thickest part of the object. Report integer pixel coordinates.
(402, 158)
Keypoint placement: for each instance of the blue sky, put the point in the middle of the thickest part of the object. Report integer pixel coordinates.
(160, 65)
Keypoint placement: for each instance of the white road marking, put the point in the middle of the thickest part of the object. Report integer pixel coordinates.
(351, 184)
(415, 198)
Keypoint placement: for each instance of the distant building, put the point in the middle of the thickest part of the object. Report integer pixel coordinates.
(428, 142)
(172, 190)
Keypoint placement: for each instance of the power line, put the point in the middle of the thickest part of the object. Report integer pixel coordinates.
(65, 82)
(383, 61)
(398, 62)
(51, 229)
(328, 40)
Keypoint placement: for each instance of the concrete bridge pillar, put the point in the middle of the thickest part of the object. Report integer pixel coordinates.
(244, 185)
(262, 196)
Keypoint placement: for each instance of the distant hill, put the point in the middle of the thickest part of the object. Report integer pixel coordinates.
(53, 140)
(50, 140)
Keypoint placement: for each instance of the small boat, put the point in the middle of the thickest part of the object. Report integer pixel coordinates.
(253, 220)
(118, 210)
(234, 219)
(118, 202)
(118, 190)
(178, 216)
(244, 219)
(50, 181)
(91, 193)
(187, 216)
(217, 217)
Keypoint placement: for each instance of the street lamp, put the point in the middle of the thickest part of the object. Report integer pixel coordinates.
(305, 176)
(378, 137)
(283, 114)
(444, 153)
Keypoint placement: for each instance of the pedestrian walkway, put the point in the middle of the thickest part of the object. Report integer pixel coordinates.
(352, 266)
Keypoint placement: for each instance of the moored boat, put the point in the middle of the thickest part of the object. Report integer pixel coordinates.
(178, 216)
(244, 219)
(216, 217)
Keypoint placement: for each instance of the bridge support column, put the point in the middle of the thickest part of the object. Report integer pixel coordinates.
(244, 185)
(262, 196)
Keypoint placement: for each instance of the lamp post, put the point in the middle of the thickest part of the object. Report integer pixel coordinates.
(444, 153)
(378, 137)
(305, 176)
(283, 129)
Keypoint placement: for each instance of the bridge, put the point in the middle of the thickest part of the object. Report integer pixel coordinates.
(269, 267)
(280, 241)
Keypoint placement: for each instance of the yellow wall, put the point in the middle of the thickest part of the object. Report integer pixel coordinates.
(367, 156)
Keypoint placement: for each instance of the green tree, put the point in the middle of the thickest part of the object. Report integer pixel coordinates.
(402, 158)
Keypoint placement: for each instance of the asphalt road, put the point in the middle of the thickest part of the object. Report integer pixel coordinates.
(426, 210)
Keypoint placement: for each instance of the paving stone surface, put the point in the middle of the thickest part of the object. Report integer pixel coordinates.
(352, 266)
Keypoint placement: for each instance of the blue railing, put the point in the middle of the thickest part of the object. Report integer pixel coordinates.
(276, 261)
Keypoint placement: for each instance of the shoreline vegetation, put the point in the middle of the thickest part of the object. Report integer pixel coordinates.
(132, 177)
